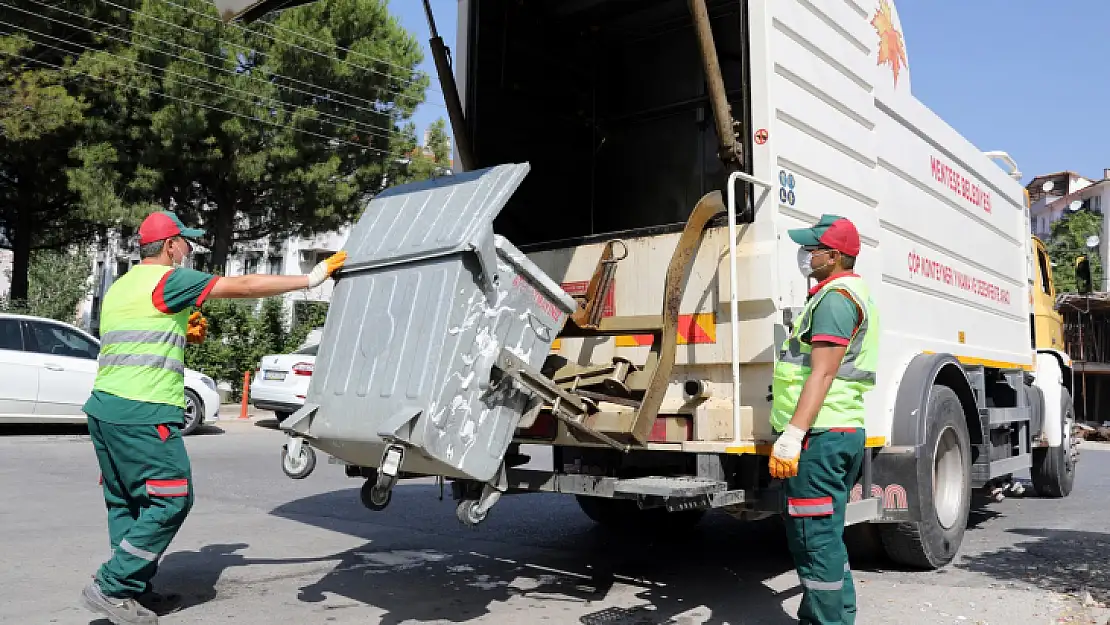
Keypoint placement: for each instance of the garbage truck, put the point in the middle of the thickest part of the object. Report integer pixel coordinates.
(606, 275)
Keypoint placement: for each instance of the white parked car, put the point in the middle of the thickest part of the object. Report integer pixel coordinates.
(281, 381)
(47, 369)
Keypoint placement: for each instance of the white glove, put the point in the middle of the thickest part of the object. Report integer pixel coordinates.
(789, 444)
(787, 452)
(323, 270)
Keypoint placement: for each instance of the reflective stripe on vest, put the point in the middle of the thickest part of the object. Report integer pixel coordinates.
(843, 406)
(142, 349)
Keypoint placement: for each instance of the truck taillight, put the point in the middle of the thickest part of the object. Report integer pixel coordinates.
(302, 368)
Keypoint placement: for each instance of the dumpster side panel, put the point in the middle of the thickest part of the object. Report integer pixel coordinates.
(381, 365)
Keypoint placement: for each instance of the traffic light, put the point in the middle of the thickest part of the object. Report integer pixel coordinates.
(247, 11)
(1083, 275)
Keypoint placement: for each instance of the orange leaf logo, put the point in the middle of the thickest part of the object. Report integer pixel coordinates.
(892, 48)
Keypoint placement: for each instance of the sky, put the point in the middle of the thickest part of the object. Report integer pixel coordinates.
(411, 15)
(1010, 75)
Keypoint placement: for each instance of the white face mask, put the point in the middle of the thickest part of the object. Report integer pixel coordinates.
(805, 260)
(178, 263)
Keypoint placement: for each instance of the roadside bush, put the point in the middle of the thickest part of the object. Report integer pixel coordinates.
(241, 332)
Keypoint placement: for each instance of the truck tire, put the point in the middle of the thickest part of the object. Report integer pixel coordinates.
(1053, 468)
(945, 501)
(625, 515)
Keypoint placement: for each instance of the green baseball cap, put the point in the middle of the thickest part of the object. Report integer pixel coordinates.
(831, 231)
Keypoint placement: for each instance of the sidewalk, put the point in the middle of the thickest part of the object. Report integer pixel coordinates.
(230, 413)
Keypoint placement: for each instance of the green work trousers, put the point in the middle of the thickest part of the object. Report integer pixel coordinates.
(815, 502)
(147, 481)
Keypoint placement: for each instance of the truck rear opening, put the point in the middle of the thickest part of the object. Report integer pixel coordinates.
(607, 100)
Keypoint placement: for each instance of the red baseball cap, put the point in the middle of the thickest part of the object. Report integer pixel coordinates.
(832, 231)
(163, 225)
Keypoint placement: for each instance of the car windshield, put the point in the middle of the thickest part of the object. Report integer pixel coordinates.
(307, 351)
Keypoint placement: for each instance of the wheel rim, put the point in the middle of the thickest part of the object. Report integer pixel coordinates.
(1070, 444)
(948, 472)
(190, 411)
(296, 465)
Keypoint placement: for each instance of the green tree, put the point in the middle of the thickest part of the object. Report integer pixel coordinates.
(281, 128)
(241, 332)
(439, 143)
(58, 280)
(54, 165)
(40, 120)
(1069, 241)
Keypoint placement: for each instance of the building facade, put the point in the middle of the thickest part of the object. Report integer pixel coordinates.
(1052, 196)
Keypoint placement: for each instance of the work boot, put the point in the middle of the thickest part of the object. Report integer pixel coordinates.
(160, 604)
(118, 611)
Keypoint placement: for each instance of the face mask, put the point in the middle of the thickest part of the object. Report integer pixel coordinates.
(178, 263)
(805, 260)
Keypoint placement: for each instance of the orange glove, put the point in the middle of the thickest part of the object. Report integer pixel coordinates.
(197, 329)
(325, 268)
(786, 453)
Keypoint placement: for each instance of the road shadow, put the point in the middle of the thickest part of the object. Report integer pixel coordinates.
(431, 569)
(196, 574)
(1063, 561)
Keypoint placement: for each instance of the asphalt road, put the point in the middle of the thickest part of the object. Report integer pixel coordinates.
(260, 549)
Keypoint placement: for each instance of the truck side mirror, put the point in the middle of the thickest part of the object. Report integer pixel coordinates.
(1083, 275)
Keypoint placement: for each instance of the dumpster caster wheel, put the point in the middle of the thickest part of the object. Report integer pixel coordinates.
(468, 512)
(374, 498)
(300, 463)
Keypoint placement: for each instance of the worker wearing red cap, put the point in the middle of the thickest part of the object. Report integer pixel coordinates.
(824, 368)
(137, 407)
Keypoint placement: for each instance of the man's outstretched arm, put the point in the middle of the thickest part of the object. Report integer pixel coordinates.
(260, 285)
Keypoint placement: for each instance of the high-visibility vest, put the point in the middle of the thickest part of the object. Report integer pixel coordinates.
(142, 349)
(843, 405)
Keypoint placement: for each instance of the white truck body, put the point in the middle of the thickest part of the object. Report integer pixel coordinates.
(945, 231)
(612, 106)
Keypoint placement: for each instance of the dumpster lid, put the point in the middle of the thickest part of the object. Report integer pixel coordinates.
(433, 217)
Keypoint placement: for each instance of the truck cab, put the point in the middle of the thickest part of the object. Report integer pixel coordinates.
(1048, 324)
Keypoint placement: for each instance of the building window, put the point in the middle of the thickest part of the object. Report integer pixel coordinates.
(274, 265)
(1096, 203)
(250, 265)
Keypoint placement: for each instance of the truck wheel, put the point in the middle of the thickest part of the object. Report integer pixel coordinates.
(1054, 467)
(625, 516)
(943, 489)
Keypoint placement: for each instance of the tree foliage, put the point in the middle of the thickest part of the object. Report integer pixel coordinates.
(44, 137)
(1069, 241)
(111, 110)
(58, 281)
(241, 332)
(259, 131)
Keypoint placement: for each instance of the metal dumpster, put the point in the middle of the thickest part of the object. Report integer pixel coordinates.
(428, 300)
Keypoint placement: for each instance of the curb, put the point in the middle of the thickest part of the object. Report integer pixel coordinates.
(229, 413)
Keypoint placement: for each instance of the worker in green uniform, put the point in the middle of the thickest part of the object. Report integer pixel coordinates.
(825, 367)
(137, 407)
